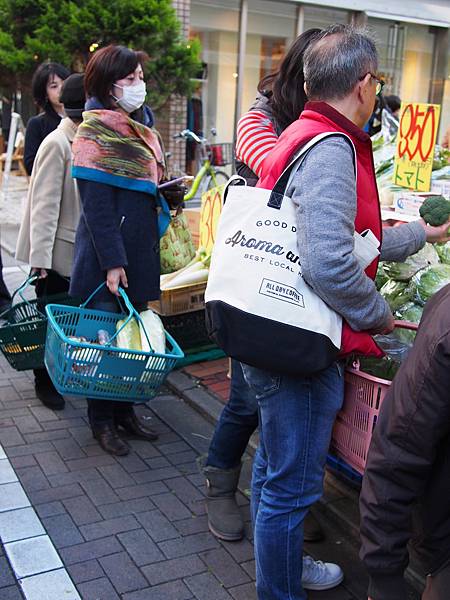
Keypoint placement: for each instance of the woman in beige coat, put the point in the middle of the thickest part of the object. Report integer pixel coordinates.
(47, 234)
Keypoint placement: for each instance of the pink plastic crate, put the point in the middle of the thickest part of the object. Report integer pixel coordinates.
(363, 396)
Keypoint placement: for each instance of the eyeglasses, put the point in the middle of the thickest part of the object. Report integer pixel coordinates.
(380, 82)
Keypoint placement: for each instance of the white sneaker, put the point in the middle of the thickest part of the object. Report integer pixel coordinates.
(317, 575)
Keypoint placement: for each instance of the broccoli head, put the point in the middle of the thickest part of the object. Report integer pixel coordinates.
(435, 210)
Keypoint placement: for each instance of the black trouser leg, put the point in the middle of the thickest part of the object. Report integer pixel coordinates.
(5, 296)
(49, 286)
(100, 412)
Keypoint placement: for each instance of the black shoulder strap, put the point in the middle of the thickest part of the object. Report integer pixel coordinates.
(279, 190)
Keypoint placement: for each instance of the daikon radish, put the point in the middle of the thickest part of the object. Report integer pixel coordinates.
(187, 278)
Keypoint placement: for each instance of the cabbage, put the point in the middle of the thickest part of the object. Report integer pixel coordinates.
(443, 251)
(406, 270)
(397, 293)
(431, 280)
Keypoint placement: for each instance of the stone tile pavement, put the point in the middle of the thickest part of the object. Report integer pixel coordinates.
(78, 523)
(131, 527)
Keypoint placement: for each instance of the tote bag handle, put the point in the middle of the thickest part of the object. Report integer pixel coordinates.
(279, 190)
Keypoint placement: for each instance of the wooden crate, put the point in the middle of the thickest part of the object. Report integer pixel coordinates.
(187, 298)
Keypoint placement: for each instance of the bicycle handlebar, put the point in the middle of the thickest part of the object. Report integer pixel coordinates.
(188, 134)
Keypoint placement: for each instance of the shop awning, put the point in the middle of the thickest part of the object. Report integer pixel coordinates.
(402, 18)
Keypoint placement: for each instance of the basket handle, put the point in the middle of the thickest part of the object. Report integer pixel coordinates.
(132, 313)
(28, 281)
(406, 325)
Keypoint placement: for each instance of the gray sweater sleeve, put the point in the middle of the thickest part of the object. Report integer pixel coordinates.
(324, 193)
(402, 241)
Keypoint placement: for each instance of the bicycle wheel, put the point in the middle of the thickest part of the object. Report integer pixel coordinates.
(220, 178)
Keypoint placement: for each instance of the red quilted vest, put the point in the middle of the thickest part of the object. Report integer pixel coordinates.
(319, 117)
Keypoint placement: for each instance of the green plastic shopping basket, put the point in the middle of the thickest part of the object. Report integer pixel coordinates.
(22, 336)
(104, 372)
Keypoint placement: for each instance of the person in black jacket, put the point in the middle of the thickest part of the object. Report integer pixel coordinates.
(5, 296)
(46, 88)
(406, 486)
(118, 162)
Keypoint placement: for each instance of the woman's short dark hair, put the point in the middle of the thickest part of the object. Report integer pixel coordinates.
(108, 65)
(41, 78)
(393, 102)
(285, 86)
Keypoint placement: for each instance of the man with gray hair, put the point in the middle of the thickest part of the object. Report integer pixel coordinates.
(335, 194)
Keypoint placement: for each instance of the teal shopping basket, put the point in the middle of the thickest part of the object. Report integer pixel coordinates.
(102, 371)
(23, 328)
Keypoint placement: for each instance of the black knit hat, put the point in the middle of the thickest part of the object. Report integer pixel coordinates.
(72, 95)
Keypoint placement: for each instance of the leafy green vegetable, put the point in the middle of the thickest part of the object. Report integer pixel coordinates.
(410, 312)
(397, 293)
(384, 368)
(435, 210)
(381, 277)
(441, 158)
(384, 165)
(430, 280)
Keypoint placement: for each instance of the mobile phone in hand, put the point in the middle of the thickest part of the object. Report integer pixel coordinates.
(176, 181)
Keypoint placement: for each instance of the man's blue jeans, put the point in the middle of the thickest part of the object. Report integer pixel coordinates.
(296, 419)
(237, 422)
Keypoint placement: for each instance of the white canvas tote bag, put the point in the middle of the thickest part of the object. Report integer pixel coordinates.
(259, 309)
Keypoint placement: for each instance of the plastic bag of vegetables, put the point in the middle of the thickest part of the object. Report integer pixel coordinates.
(130, 337)
(397, 293)
(155, 331)
(406, 270)
(430, 280)
(383, 368)
(443, 250)
(410, 312)
(176, 246)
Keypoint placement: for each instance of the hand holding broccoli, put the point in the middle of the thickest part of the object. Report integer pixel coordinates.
(436, 212)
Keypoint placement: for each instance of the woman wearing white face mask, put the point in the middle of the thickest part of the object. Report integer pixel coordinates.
(118, 161)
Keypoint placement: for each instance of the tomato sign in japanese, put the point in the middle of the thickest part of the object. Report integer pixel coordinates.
(212, 201)
(415, 145)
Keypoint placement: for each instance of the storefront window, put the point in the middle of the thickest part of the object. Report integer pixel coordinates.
(272, 27)
(445, 111)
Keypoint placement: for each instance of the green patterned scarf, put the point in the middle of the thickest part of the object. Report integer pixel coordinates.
(111, 148)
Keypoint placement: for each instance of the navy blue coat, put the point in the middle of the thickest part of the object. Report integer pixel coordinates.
(38, 128)
(118, 228)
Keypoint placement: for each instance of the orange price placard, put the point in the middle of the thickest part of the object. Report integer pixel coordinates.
(416, 140)
(212, 201)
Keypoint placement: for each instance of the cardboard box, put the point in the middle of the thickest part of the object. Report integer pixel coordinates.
(193, 218)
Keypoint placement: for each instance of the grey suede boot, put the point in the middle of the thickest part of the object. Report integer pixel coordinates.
(224, 516)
